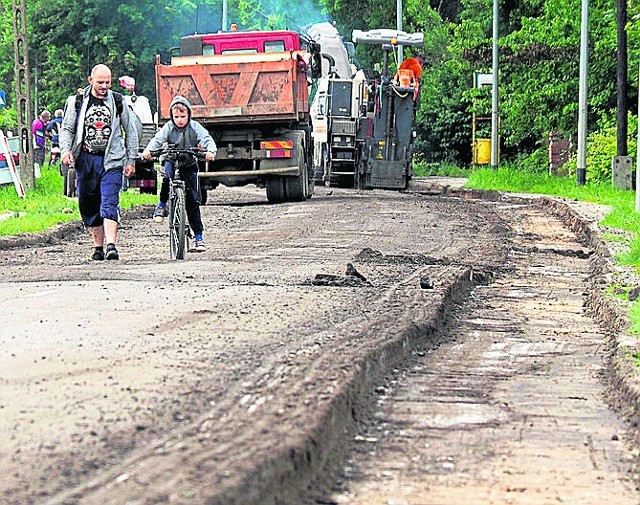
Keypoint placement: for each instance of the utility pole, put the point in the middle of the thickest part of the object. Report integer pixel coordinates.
(622, 74)
(581, 172)
(23, 92)
(495, 108)
(224, 15)
(399, 27)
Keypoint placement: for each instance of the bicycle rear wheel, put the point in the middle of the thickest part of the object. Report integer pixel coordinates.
(177, 224)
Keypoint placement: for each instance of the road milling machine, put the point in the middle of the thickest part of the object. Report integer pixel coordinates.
(363, 121)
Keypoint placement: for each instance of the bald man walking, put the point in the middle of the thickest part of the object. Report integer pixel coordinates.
(92, 137)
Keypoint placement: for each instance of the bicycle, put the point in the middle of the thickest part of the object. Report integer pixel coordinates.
(178, 226)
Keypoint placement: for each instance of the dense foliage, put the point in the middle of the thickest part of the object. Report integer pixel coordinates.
(539, 44)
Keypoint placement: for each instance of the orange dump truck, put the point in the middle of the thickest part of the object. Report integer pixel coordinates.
(250, 90)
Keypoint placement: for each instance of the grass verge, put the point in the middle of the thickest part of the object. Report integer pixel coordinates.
(46, 206)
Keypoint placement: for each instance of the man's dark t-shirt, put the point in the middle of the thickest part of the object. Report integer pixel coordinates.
(97, 126)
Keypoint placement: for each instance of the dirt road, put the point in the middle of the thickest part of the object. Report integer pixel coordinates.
(239, 375)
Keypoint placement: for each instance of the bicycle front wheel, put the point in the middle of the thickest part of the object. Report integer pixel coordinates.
(177, 224)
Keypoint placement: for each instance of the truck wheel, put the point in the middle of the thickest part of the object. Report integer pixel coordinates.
(297, 188)
(276, 192)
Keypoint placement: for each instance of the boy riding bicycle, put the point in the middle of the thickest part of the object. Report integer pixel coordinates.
(182, 132)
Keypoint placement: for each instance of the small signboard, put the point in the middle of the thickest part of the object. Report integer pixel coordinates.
(3, 98)
(483, 79)
(6, 150)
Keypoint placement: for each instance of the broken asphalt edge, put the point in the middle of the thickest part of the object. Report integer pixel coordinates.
(293, 467)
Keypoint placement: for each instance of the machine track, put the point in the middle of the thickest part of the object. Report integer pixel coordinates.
(513, 407)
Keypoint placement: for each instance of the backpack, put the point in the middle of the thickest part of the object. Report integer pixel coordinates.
(54, 128)
(118, 99)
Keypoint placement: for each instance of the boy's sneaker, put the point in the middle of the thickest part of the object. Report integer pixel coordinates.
(98, 254)
(199, 246)
(160, 213)
(112, 252)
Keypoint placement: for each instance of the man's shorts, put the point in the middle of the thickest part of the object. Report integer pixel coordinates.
(98, 189)
(38, 155)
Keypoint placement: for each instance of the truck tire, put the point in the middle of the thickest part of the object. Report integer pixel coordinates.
(276, 192)
(297, 188)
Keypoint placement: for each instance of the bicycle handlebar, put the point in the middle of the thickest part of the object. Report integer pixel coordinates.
(173, 151)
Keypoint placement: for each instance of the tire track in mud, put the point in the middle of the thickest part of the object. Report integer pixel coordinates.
(332, 375)
(281, 399)
(512, 409)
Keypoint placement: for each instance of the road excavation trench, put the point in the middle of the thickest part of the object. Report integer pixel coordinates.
(240, 376)
(511, 408)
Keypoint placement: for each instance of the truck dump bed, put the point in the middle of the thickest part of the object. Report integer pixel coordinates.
(239, 88)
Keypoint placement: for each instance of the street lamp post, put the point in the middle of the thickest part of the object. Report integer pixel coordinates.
(399, 26)
(581, 172)
(224, 15)
(495, 140)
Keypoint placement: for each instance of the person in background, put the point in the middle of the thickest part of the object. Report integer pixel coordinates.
(92, 137)
(53, 129)
(39, 129)
(182, 132)
(413, 64)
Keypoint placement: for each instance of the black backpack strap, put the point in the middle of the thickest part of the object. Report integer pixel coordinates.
(117, 98)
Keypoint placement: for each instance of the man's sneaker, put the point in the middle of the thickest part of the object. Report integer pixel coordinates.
(199, 246)
(98, 254)
(112, 252)
(160, 213)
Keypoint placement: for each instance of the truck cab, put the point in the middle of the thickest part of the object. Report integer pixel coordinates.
(239, 43)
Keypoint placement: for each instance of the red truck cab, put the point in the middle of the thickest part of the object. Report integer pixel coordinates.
(240, 43)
